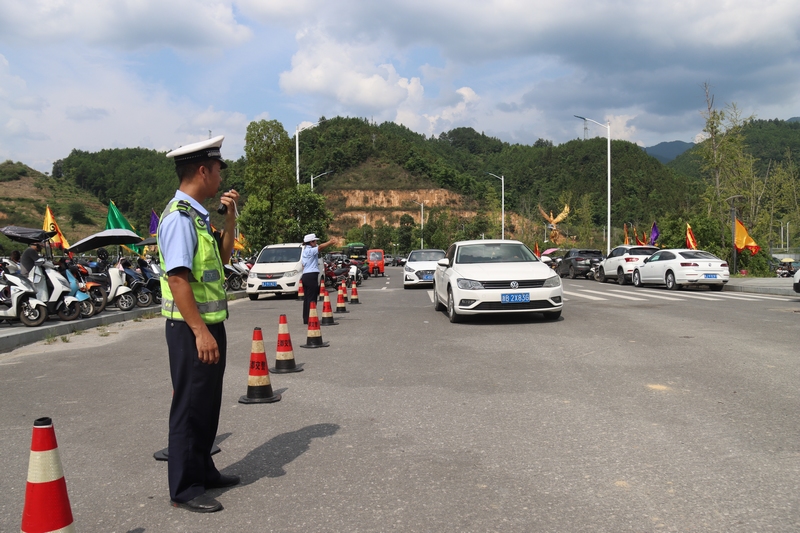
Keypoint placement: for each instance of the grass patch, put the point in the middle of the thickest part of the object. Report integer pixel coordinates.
(150, 315)
(64, 338)
(50, 339)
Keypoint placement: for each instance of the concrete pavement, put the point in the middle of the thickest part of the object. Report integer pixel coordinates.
(780, 286)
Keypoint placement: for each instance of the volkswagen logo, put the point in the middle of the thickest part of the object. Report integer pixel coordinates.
(514, 285)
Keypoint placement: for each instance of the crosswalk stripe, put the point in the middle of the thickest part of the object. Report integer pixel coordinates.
(650, 295)
(698, 297)
(746, 296)
(584, 296)
(614, 295)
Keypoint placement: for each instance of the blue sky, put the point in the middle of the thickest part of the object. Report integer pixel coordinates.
(159, 74)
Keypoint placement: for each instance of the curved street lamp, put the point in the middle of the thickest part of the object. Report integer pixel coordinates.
(318, 176)
(421, 223)
(608, 199)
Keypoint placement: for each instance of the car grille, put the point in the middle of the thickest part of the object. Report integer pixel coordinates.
(497, 306)
(523, 284)
(422, 273)
(276, 275)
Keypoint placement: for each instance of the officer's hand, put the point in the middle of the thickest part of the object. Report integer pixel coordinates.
(229, 198)
(207, 349)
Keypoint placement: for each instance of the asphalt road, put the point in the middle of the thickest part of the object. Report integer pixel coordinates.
(639, 410)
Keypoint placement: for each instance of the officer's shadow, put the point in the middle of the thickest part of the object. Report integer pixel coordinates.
(269, 459)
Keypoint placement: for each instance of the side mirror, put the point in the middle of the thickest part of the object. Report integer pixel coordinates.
(443, 262)
(646, 260)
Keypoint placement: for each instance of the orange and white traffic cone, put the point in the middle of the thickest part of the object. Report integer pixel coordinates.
(343, 288)
(259, 388)
(301, 294)
(314, 339)
(354, 293)
(46, 502)
(340, 305)
(327, 312)
(284, 356)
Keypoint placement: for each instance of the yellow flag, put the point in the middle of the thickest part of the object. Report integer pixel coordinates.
(50, 224)
(744, 240)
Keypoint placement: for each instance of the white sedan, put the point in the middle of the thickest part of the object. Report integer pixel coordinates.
(495, 276)
(681, 267)
(419, 267)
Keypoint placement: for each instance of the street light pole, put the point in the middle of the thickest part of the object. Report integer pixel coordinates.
(297, 131)
(733, 228)
(318, 176)
(608, 199)
(503, 205)
(421, 223)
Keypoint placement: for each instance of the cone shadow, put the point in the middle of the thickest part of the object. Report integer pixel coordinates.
(269, 459)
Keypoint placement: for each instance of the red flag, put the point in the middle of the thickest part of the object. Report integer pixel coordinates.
(536, 249)
(625, 229)
(642, 241)
(691, 242)
(744, 240)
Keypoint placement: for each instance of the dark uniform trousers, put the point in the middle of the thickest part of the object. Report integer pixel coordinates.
(194, 414)
(311, 291)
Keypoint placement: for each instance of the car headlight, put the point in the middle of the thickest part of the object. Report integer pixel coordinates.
(552, 281)
(290, 274)
(252, 275)
(468, 284)
(408, 269)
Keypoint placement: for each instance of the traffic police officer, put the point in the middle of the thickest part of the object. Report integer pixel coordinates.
(195, 305)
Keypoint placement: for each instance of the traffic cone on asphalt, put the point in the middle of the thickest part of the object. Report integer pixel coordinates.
(327, 312)
(259, 388)
(301, 294)
(314, 338)
(284, 356)
(343, 288)
(340, 305)
(354, 294)
(46, 501)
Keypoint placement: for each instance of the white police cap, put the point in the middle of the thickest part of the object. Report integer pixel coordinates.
(199, 151)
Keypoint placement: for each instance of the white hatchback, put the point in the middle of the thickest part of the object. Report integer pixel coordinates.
(277, 270)
(495, 276)
(682, 267)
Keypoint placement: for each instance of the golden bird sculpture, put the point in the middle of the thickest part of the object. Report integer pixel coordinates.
(555, 235)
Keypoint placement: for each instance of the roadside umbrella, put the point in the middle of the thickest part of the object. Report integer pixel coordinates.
(150, 241)
(109, 237)
(26, 235)
(787, 260)
(549, 251)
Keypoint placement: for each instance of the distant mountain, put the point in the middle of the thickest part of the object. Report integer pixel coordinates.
(667, 151)
(794, 119)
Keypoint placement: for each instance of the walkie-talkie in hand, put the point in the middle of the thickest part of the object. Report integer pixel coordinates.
(222, 209)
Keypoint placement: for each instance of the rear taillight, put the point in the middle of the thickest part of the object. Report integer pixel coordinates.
(631, 259)
(689, 265)
(724, 265)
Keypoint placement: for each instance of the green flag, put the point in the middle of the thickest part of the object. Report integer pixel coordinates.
(116, 220)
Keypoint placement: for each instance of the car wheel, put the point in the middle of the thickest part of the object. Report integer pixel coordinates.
(437, 305)
(451, 308)
(253, 297)
(637, 279)
(552, 315)
(571, 272)
(601, 276)
(670, 282)
(621, 278)
(716, 287)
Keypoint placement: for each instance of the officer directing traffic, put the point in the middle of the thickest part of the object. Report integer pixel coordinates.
(195, 306)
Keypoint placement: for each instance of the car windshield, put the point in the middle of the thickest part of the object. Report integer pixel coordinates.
(375, 256)
(642, 251)
(590, 253)
(698, 254)
(426, 255)
(494, 253)
(279, 255)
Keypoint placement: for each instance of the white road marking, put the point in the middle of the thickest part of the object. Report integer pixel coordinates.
(584, 296)
(615, 295)
(747, 296)
(650, 295)
(697, 297)
(430, 295)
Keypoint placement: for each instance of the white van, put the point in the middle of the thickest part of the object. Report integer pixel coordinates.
(277, 270)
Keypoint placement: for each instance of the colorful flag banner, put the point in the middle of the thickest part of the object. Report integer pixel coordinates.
(691, 242)
(50, 224)
(643, 240)
(625, 229)
(744, 240)
(654, 234)
(153, 223)
(536, 249)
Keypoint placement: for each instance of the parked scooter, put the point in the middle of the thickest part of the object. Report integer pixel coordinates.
(151, 272)
(77, 289)
(136, 283)
(53, 289)
(233, 278)
(114, 282)
(95, 289)
(18, 300)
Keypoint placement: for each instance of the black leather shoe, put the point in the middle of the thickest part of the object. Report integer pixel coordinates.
(223, 481)
(200, 504)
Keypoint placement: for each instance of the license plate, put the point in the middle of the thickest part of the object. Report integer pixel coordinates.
(427, 277)
(269, 283)
(710, 276)
(515, 298)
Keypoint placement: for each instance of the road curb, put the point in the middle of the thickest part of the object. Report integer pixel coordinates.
(20, 335)
(775, 291)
